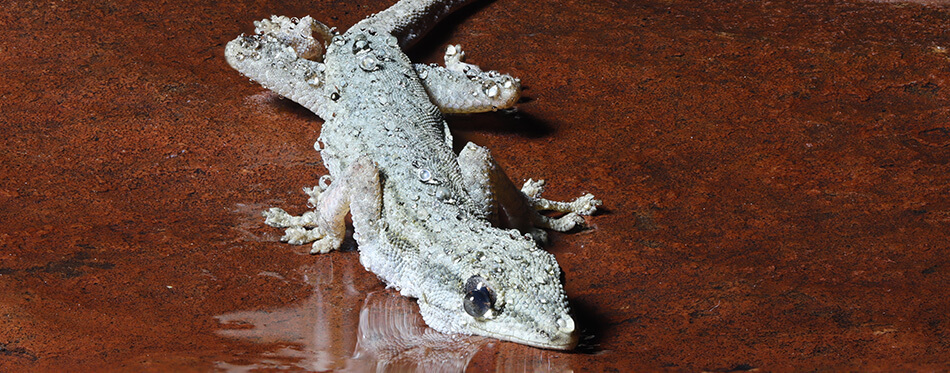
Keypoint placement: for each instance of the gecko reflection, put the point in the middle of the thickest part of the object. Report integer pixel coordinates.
(387, 335)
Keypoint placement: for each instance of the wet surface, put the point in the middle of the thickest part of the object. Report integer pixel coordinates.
(776, 177)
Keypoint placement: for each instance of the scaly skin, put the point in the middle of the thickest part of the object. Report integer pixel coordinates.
(427, 221)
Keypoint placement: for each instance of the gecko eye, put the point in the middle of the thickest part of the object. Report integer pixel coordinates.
(479, 298)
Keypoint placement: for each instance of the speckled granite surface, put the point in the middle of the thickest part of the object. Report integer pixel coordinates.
(776, 178)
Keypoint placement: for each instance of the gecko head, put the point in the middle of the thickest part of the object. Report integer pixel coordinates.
(508, 289)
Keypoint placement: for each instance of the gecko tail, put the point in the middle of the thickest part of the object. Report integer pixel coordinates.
(409, 20)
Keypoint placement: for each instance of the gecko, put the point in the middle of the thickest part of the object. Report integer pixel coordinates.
(450, 230)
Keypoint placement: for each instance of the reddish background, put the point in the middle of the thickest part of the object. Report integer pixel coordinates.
(775, 177)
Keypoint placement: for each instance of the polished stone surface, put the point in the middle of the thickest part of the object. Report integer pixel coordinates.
(775, 175)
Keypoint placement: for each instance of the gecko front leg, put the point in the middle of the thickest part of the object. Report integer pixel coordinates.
(461, 88)
(358, 190)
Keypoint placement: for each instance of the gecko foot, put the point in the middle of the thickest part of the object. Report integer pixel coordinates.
(302, 229)
(583, 205)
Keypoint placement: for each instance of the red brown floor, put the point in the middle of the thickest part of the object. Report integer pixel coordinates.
(775, 177)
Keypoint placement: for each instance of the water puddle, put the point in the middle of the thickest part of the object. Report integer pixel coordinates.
(343, 328)
(389, 334)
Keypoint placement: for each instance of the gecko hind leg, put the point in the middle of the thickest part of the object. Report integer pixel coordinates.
(505, 205)
(297, 46)
(583, 205)
(357, 192)
(574, 210)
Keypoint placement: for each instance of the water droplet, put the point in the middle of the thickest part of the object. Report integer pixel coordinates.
(314, 80)
(360, 44)
(424, 175)
(443, 194)
(423, 74)
(369, 63)
(491, 89)
(318, 146)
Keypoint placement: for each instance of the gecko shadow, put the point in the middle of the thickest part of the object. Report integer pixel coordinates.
(591, 328)
(442, 32)
(502, 121)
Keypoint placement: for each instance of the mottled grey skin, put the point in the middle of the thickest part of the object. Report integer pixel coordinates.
(426, 220)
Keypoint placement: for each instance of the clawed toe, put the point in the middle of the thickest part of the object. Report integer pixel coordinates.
(277, 217)
(586, 204)
(300, 235)
(324, 245)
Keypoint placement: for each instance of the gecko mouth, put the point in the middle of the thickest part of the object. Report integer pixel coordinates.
(561, 341)
(564, 338)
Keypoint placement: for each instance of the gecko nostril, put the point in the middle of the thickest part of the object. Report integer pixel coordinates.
(565, 324)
